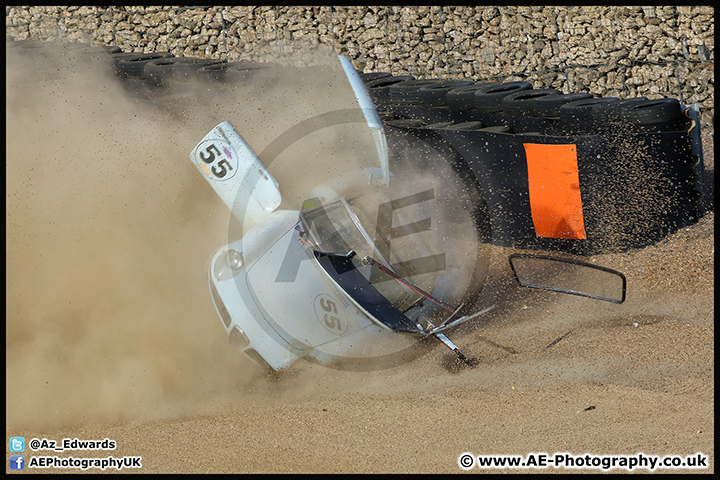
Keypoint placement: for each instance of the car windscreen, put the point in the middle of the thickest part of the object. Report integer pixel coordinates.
(335, 228)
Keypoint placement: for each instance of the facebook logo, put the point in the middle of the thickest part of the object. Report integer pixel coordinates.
(17, 444)
(17, 462)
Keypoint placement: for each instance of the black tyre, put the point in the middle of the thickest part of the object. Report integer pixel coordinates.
(652, 111)
(408, 93)
(488, 100)
(133, 64)
(463, 98)
(230, 72)
(389, 81)
(578, 116)
(168, 70)
(370, 76)
(94, 53)
(436, 95)
(549, 105)
(379, 90)
(522, 103)
(612, 112)
(99, 50)
(641, 114)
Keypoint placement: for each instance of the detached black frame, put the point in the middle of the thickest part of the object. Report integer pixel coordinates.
(571, 261)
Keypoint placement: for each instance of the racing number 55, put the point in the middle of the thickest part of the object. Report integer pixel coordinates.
(330, 314)
(332, 321)
(222, 167)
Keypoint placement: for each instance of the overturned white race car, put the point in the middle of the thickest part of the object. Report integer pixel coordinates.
(370, 254)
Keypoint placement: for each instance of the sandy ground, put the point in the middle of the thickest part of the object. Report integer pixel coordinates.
(111, 332)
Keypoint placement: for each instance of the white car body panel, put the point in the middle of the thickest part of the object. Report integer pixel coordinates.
(313, 317)
(371, 116)
(236, 174)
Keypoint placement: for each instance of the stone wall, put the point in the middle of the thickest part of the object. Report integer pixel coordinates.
(625, 51)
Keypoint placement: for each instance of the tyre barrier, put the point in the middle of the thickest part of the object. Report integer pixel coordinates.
(427, 115)
(421, 99)
(638, 172)
(652, 112)
(479, 102)
(426, 139)
(490, 99)
(169, 70)
(545, 114)
(408, 92)
(129, 65)
(610, 115)
(435, 95)
(522, 103)
(233, 72)
(642, 114)
(519, 109)
(462, 99)
(565, 172)
(549, 106)
(488, 102)
(129, 68)
(379, 90)
(524, 109)
(577, 193)
(577, 116)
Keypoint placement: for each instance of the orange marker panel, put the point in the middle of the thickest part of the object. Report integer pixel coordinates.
(554, 188)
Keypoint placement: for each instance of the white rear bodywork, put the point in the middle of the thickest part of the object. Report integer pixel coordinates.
(236, 174)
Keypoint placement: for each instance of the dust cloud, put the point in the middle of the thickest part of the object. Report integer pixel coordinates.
(109, 231)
